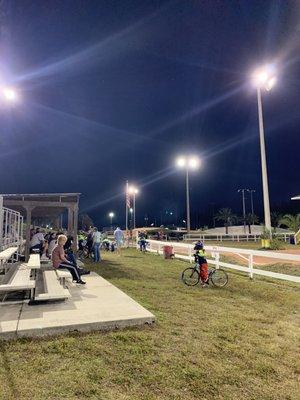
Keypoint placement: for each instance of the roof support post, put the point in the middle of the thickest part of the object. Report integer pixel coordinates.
(70, 220)
(75, 215)
(28, 226)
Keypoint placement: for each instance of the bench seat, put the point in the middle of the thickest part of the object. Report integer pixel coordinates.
(8, 253)
(17, 279)
(63, 274)
(53, 289)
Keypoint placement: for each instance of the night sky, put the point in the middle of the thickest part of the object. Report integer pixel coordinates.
(115, 90)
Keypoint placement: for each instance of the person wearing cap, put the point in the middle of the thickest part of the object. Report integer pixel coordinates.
(200, 258)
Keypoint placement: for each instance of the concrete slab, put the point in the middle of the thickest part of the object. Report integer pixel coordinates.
(98, 305)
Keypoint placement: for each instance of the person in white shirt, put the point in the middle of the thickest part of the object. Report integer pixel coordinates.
(119, 238)
(96, 245)
(37, 241)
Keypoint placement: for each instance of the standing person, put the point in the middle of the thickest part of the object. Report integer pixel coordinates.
(200, 258)
(96, 244)
(89, 241)
(119, 238)
(59, 259)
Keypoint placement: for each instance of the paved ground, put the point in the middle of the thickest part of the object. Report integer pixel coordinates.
(98, 305)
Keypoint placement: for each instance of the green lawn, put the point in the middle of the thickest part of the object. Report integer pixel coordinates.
(241, 342)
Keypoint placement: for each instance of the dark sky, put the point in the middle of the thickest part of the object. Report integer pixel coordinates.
(115, 90)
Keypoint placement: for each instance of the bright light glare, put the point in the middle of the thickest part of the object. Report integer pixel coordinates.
(133, 190)
(194, 163)
(265, 77)
(189, 162)
(181, 162)
(271, 82)
(131, 210)
(9, 94)
(111, 214)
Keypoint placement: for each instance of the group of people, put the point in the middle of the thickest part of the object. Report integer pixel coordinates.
(94, 240)
(59, 248)
(42, 244)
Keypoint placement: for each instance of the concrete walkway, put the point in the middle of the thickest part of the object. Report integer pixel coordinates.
(98, 305)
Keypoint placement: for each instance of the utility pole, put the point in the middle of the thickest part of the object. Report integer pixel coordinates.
(264, 164)
(244, 206)
(251, 191)
(188, 213)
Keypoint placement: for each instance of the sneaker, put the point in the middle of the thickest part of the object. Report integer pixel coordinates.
(81, 282)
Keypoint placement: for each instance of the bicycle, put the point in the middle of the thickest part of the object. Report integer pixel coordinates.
(191, 276)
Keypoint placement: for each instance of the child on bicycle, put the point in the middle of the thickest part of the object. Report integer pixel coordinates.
(200, 258)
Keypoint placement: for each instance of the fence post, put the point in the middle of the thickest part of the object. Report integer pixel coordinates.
(217, 258)
(251, 266)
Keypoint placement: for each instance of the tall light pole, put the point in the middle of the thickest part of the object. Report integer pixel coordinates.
(134, 191)
(244, 207)
(251, 191)
(111, 215)
(131, 212)
(188, 163)
(264, 78)
(8, 95)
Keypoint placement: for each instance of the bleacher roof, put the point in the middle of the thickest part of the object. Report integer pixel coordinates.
(45, 204)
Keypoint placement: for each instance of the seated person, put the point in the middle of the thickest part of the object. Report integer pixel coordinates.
(37, 242)
(52, 243)
(200, 258)
(71, 256)
(45, 248)
(59, 260)
(106, 244)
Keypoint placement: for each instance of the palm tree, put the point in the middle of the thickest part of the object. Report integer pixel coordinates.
(251, 219)
(275, 219)
(227, 217)
(291, 221)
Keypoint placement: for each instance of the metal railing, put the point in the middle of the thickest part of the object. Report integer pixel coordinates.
(185, 251)
(11, 228)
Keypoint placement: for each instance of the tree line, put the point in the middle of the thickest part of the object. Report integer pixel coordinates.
(228, 218)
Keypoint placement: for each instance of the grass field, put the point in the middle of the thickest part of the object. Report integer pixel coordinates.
(241, 342)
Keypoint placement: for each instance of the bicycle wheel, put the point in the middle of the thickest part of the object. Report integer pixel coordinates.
(219, 277)
(190, 276)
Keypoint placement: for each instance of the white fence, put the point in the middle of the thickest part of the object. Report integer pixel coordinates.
(185, 251)
(297, 237)
(234, 237)
(11, 227)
